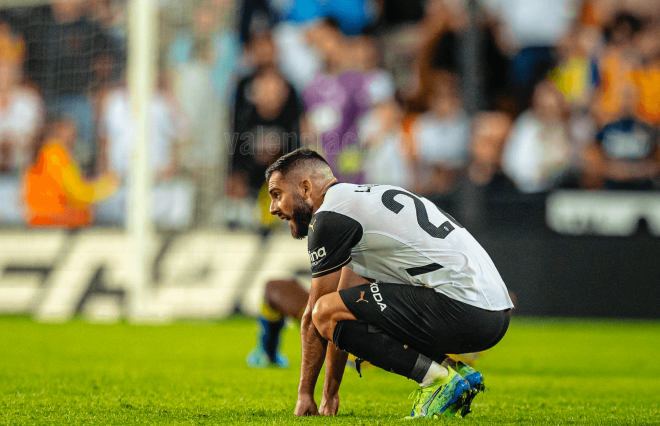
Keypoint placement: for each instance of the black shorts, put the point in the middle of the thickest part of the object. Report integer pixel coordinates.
(429, 322)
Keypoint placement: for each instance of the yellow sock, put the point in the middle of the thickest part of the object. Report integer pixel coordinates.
(269, 313)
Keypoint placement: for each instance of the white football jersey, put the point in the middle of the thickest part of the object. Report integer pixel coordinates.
(392, 235)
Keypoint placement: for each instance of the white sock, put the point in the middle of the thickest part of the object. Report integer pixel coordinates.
(436, 371)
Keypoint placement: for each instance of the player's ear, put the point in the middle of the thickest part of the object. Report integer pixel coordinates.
(306, 188)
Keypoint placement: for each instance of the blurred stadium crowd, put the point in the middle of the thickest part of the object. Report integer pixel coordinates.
(496, 99)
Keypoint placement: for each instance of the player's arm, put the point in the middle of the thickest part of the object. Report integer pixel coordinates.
(335, 363)
(313, 345)
(330, 240)
(335, 359)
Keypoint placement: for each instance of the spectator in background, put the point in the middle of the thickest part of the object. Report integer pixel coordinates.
(623, 156)
(61, 53)
(255, 15)
(529, 30)
(488, 195)
(537, 153)
(441, 137)
(432, 29)
(490, 130)
(212, 29)
(21, 118)
(19, 106)
(625, 152)
(202, 59)
(378, 83)
(267, 123)
(619, 59)
(380, 128)
(385, 161)
(56, 194)
(299, 59)
(260, 53)
(302, 48)
(173, 197)
(335, 100)
(646, 77)
(576, 77)
(576, 74)
(446, 25)
(399, 38)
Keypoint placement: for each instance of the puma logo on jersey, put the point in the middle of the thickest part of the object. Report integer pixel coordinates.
(317, 254)
(361, 299)
(311, 225)
(377, 296)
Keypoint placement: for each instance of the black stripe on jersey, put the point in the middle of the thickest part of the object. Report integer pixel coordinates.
(419, 270)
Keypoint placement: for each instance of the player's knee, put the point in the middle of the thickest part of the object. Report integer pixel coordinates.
(275, 286)
(319, 313)
(271, 286)
(322, 316)
(275, 290)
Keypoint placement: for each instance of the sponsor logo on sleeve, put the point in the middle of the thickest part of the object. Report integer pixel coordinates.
(316, 256)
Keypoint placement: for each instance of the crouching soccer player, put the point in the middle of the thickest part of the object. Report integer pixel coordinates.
(395, 281)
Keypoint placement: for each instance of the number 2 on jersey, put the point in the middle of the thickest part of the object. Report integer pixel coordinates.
(422, 215)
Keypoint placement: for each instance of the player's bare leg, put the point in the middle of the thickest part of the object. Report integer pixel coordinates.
(286, 297)
(329, 310)
(282, 299)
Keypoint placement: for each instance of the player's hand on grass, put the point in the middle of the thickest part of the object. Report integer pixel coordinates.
(306, 406)
(329, 405)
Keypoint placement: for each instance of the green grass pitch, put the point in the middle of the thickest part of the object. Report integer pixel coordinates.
(544, 372)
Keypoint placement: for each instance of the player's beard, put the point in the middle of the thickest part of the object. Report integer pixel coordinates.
(302, 216)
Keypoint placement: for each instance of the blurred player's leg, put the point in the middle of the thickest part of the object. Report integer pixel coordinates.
(287, 297)
(282, 299)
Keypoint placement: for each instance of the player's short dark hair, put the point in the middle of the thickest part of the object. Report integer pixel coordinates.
(290, 161)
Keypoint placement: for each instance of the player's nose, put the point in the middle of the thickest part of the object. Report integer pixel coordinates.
(273, 207)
